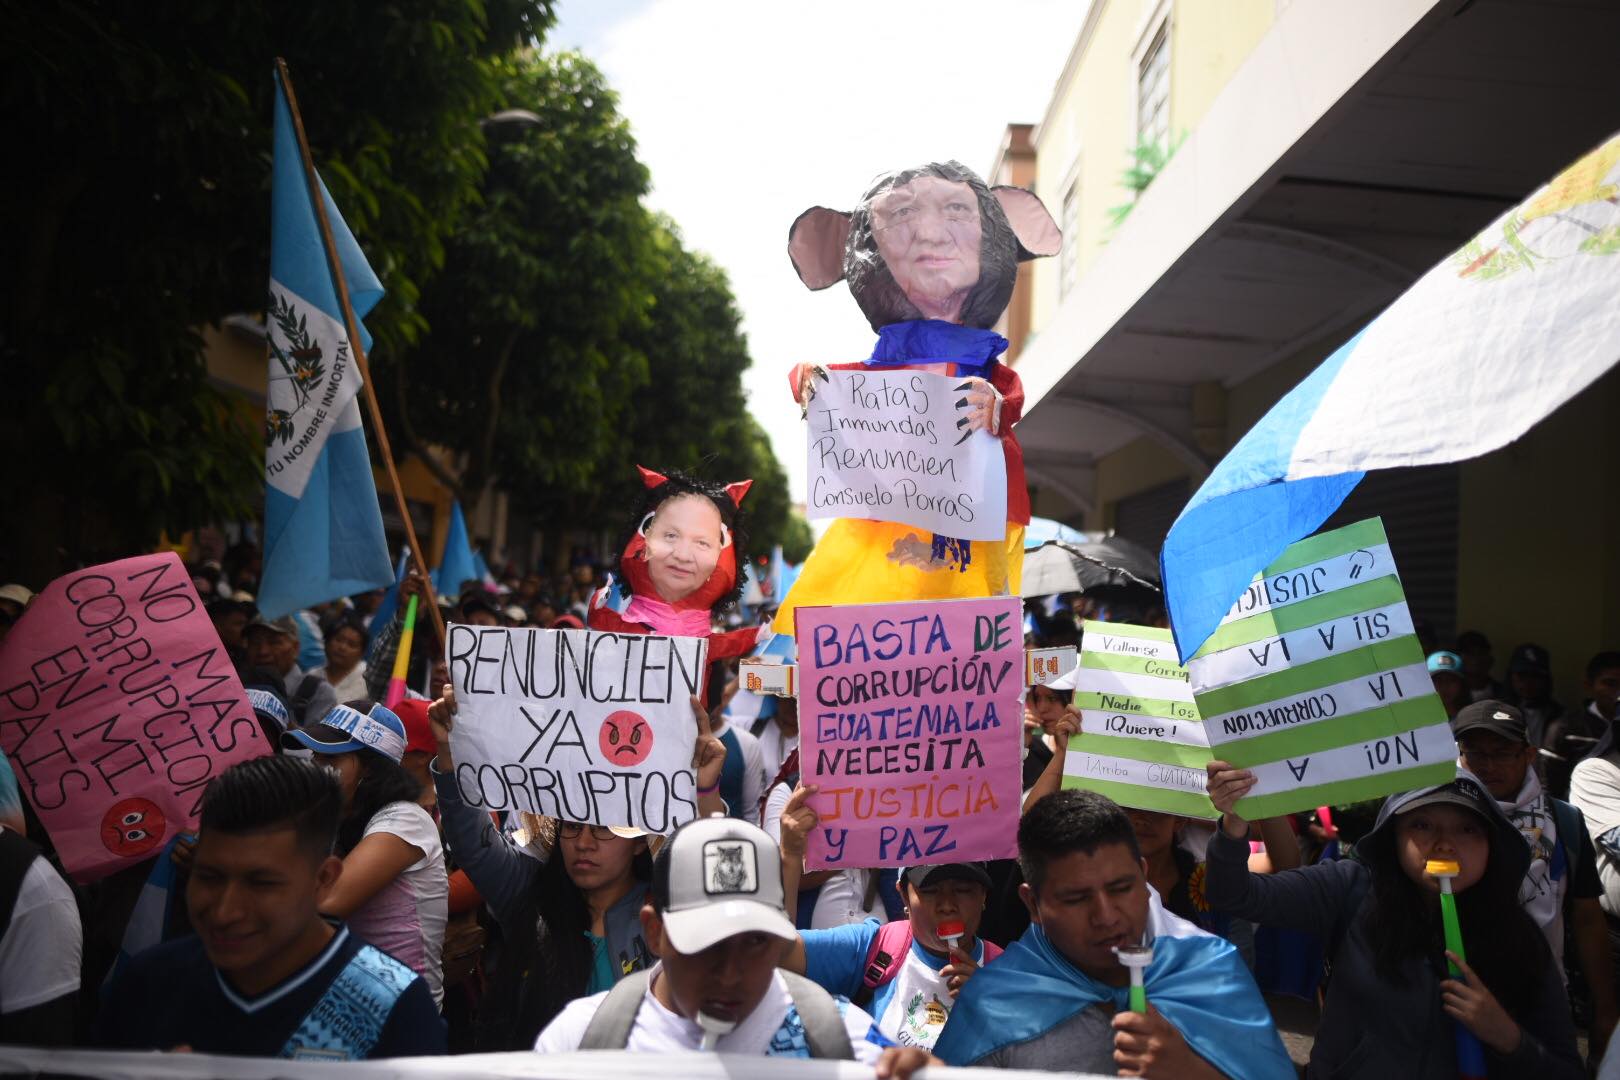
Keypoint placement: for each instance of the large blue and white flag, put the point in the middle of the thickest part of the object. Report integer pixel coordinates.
(323, 534)
(1509, 327)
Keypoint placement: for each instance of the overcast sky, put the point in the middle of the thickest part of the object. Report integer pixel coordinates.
(747, 113)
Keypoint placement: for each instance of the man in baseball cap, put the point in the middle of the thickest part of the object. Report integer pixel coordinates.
(1446, 672)
(1530, 675)
(347, 730)
(273, 644)
(1562, 884)
(717, 924)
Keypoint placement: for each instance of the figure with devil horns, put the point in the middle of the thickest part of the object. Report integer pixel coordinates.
(680, 561)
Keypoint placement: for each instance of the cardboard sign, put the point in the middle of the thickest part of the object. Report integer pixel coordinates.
(779, 680)
(577, 724)
(885, 446)
(911, 725)
(117, 705)
(1315, 680)
(1044, 666)
(1141, 742)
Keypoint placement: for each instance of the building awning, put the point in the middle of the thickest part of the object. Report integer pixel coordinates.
(1355, 147)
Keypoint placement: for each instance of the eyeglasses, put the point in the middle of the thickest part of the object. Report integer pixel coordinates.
(571, 830)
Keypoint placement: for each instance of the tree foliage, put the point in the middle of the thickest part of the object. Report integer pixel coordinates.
(140, 211)
(574, 335)
(539, 322)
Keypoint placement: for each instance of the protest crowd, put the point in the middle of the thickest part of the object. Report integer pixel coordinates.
(900, 813)
(481, 934)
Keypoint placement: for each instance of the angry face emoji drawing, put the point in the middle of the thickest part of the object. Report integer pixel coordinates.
(626, 738)
(133, 827)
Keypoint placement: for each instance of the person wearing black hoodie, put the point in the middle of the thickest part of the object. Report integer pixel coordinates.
(1390, 1005)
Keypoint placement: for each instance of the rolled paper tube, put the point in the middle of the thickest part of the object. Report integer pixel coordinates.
(402, 660)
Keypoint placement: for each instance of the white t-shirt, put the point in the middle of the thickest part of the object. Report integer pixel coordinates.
(773, 1028)
(406, 917)
(1594, 787)
(351, 686)
(43, 946)
(754, 778)
(775, 747)
(842, 899)
(921, 1003)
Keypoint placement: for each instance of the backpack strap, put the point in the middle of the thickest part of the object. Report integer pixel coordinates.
(886, 954)
(1572, 835)
(824, 1030)
(610, 1028)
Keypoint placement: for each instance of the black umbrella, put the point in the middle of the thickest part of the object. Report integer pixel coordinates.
(1060, 567)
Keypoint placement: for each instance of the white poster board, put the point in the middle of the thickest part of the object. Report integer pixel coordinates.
(885, 446)
(577, 724)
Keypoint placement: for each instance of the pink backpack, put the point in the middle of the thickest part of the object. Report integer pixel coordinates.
(889, 949)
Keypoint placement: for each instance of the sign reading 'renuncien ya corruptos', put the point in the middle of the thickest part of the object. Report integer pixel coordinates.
(577, 724)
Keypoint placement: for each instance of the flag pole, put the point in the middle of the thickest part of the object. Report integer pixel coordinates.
(335, 266)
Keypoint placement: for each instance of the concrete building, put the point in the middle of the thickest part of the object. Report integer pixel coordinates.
(1326, 155)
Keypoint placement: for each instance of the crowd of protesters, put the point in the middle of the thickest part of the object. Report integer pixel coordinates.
(340, 899)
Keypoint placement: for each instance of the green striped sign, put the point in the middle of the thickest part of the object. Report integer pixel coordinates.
(1141, 742)
(1316, 682)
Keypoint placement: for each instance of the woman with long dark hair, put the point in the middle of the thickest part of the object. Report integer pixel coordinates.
(393, 891)
(1391, 1005)
(568, 900)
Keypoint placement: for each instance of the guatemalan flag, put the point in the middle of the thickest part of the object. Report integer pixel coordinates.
(323, 534)
(1515, 323)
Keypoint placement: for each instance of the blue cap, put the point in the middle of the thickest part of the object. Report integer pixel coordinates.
(345, 730)
(1443, 662)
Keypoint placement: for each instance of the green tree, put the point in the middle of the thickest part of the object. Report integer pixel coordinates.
(526, 372)
(574, 335)
(140, 212)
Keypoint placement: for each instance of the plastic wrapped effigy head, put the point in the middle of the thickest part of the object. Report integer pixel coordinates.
(930, 242)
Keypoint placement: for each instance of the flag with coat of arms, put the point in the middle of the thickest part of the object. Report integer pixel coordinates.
(323, 534)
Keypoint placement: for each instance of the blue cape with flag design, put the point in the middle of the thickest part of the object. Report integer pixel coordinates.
(1196, 981)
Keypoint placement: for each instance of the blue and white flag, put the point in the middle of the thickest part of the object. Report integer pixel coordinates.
(323, 534)
(459, 565)
(1509, 327)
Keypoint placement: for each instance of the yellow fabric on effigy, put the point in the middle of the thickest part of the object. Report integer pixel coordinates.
(876, 562)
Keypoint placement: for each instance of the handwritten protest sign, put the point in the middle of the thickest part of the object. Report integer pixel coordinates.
(911, 725)
(885, 446)
(1315, 680)
(1141, 742)
(117, 705)
(577, 724)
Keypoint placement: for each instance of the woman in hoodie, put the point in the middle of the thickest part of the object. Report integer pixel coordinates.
(1391, 1007)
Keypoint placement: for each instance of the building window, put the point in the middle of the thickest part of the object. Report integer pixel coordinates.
(1153, 90)
(1069, 256)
